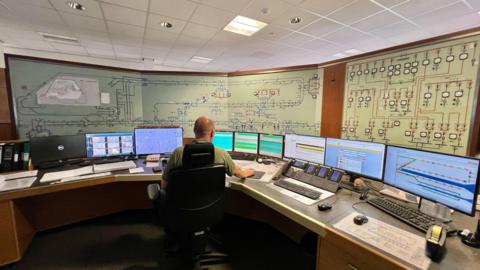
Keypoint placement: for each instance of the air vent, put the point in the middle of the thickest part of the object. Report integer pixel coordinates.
(59, 38)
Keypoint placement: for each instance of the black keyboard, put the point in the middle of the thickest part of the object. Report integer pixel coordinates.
(243, 156)
(312, 194)
(406, 214)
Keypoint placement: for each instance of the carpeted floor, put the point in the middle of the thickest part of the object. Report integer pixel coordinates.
(133, 241)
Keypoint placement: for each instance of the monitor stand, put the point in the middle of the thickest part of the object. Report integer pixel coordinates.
(353, 184)
(473, 239)
(436, 210)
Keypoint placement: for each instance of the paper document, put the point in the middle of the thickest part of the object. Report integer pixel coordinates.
(23, 174)
(55, 176)
(136, 170)
(399, 243)
(17, 183)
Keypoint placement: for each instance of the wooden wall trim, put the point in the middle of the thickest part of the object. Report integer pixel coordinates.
(332, 107)
(474, 146)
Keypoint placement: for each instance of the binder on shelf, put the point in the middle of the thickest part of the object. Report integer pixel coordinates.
(1, 156)
(25, 155)
(7, 156)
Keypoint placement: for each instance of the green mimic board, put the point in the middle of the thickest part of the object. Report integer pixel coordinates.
(59, 99)
(421, 97)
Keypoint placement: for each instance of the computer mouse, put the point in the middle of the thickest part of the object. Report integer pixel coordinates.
(259, 160)
(364, 195)
(324, 207)
(267, 162)
(360, 219)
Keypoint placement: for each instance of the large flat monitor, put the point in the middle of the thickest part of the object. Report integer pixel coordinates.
(361, 158)
(157, 140)
(309, 148)
(224, 140)
(109, 144)
(246, 142)
(446, 179)
(271, 145)
(56, 148)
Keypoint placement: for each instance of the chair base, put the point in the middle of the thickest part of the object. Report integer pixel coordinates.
(209, 258)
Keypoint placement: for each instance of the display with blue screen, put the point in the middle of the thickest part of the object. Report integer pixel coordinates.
(446, 179)
(109, 144)
(157, 140)
(363, 158)
(224, 140)
(271, 145)
(246, 142)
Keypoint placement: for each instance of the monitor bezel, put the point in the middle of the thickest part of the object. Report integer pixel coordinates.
(258, 141)
(107, 156)
(233, 138)
(271, 134)
(357, 173)
(145, 154)
(474, 204)
(314, 136)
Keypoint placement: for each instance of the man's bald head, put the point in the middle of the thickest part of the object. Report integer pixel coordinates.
(204, 127)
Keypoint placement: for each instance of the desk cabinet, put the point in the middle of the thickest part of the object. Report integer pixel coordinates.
(340, 253)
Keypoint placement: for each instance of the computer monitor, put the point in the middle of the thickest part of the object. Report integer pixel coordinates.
(157, 140)
(304, 147)
(56, 148)
(224, 140)
(356, 157)
(446, 179)
(271, 145)
(109, 144)
(246, 142)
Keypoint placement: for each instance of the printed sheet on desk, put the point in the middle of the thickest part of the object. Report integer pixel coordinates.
(7, 185)
(399, 243)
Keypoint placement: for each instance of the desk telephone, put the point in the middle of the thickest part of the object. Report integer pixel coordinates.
(315, 175)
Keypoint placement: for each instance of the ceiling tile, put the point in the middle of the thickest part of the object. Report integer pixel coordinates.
(69, 48)
(87, 35)
(295, 39)
(293, 2)
(96, 45)
(124, 15)
(345, 35)
(34, 44)
(284, 19)
(457, 24)
(40, 3)
(154, 21)
(272, 33)
(320, 45)
(325, 7)
(475, 4)
(52, 29)
(161, 37)
(34, 15)
(354, 12)
(400, 33)
(390, 3)
(377, 21)
(125, 29)
(178, 59)
(199, 31)
(126, 40)
(210, 52)
(414, 8)
(275, 9)
(193, 65)
(188, 44)
(101, 52)
(212, 17)
(321, 27)
(121, 49)
(157, 53)
(92, 8)
(232, 6)
(180, 9)
(83, 22)
(448, 18)
(135, 4)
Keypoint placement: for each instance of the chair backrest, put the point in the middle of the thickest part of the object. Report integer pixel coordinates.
(195, 192)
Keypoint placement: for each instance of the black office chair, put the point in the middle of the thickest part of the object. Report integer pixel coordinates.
(195, 202)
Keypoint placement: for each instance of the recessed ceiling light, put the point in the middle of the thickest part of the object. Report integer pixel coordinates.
(353, 51)
(202, 60)
(58, 38)
(166, 24)
(478, 12)
(339, 55)
(76, 5)
(244, 26)
(295, 20)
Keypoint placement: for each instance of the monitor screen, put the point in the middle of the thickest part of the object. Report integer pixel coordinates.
(157, 140)
(55, 148)
(109, 144)
(323, 172)
(271, 145)
(224, 140)
(363, 158)
(309, 148)
(246, 142)
(446, 179)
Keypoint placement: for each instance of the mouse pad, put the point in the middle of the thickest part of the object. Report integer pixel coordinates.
(257, 175)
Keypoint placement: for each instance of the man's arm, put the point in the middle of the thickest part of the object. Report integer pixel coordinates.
(243, 172)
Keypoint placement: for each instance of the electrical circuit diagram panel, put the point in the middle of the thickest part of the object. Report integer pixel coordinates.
(422, 97)
(59, 99)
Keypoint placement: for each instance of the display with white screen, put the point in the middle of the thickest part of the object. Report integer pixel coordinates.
(446, 179)
(157, 140)
(363, 158)
(109, 144)
(224, 140)
(309, 148)
(271, 145)
(246, 142)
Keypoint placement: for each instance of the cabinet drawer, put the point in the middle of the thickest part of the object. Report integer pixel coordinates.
(340, 253)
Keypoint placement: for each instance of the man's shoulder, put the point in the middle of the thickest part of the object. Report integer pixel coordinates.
(220, 151)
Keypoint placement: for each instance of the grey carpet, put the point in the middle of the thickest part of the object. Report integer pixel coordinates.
(133, 241)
